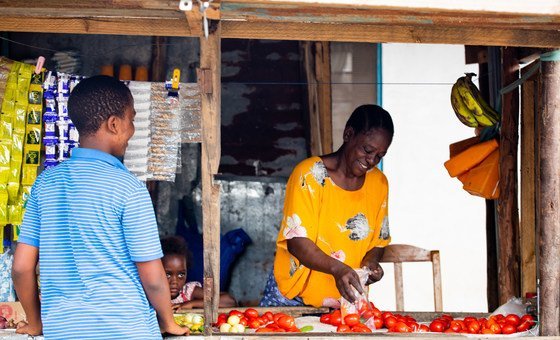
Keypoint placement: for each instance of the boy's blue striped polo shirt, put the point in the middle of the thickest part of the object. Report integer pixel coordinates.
(92, 220)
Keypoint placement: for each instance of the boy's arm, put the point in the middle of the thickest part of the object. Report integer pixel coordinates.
(25, 283)
(154, 281)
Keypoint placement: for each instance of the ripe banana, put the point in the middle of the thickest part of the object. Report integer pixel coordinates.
(469, 106)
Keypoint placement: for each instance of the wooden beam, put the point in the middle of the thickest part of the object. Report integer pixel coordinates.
(177, 26)
(390, 14)
(508, 218)
(474, 35)
(549, 207)
(194, 20)
(123, 26)
(318, 70)
(527, 225)
(210, 59)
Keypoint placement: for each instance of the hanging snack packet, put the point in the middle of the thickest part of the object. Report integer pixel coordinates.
(361, 305)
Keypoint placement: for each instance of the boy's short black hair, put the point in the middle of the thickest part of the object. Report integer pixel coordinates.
(176, 245)
(367, 117)
(94, 100)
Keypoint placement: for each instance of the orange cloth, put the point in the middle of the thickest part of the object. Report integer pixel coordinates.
(344, 224)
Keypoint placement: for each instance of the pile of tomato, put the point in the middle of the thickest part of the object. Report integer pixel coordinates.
(495, 324)
(267, 322)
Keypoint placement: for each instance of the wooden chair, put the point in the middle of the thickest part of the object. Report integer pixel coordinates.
(399, 253)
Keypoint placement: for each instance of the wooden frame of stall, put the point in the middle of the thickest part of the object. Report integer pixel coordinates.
(497, 23)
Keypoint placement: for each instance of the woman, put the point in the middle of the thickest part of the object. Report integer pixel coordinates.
(335, 218)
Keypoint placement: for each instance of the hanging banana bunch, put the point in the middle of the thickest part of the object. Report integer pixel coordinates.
(469, 106)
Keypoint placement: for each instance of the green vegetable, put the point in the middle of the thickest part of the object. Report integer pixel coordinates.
(307, 328)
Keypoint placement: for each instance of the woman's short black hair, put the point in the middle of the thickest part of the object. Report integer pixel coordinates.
(176, 245)
(367, 117)
(94, 100)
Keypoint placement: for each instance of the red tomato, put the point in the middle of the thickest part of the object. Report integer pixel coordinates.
(447, 317)
(222, 316)
(286, 322)
(449, 330)
(236, 312)
(390, 321)
(336, 318)
(498, 316)
(325, 318)
(367, 315)
(423, 328)
(254, 323)
(487, 331)
(384, 315)
(456, 326)
(243, 321)
(529, 318)
(376, 312)
(414, 326)
(473, 327)
(437, 326)
(377, 322)
(343, 329)
(513, 319)
(401, 327)
(493, 326)
(352, 319)
(524, 326)
(277, 316)
(251, 313)
(279, 330)
(509, 329)
(469, 319)
(269, 316)
(361, 328)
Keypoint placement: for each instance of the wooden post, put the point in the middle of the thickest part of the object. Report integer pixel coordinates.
(318, 71)
(508, 218)
(549, 205)
(491, 242)
(210, 67)
(527, 226)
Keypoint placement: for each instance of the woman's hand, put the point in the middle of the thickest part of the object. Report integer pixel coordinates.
(24, 328)
(371, 260)
(346, 280)
(376, 272)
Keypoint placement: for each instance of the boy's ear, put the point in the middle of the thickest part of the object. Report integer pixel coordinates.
(113, 124)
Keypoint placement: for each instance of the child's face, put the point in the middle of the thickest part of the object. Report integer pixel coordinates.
(176, 270)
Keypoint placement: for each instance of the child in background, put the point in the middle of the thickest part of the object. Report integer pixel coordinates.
(184, 295)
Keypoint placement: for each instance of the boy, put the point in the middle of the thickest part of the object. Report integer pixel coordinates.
(91, 225)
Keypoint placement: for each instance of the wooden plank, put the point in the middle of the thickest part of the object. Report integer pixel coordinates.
(391, 14)
(317, 69)
(491, 252)
(474, 35)
(399, 287)
(194, 20)
(210, 58)
(124, 26)
(508, 219)
(527, 225)
(323, 73)
(436, 272)
(405, 253)
(549, 205)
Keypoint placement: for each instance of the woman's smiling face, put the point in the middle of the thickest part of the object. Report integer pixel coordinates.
(364, 150)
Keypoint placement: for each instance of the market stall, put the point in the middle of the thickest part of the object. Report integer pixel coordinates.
(498, 24)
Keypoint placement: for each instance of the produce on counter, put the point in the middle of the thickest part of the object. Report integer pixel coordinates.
(195, 322)
(495, 324)
(237, 322)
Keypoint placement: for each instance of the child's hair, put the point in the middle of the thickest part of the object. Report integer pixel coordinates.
(94, 100)
(176, 245)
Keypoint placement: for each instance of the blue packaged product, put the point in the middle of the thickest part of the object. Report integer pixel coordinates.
(73, 134)
(62, 125)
